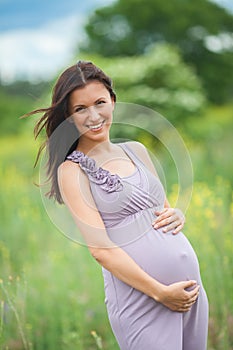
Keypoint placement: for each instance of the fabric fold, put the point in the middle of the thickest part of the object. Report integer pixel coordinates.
(107, 181)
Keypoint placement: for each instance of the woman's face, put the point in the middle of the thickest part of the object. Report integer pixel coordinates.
(91, 108)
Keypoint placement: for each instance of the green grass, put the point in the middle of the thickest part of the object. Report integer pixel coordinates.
(51, 290)
(50, 287)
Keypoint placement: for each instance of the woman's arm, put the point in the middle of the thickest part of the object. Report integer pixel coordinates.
(75, 191)
(171, 218)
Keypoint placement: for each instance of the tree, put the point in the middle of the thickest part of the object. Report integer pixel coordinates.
(17, 99)
(201, 29)
(158, 79)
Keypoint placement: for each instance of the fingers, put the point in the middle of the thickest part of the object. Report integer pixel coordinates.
(188, 284)
(190, 297)
(170, 224)
(174, 225)
(187, 305)
(193, 293)
(185, 308)
(177, 298)
(165, 217)
(178, 228)
(169, 219)
(193, 299)
(164, 214)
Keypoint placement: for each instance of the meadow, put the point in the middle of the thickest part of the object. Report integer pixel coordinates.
(51, 290)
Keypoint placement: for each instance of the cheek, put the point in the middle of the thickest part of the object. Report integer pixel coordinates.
(78, 122)
(108, 116)
(109, 111)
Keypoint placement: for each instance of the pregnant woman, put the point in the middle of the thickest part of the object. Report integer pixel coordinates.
(154, 294)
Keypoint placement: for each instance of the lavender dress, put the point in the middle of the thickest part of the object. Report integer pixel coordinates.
(127, 207)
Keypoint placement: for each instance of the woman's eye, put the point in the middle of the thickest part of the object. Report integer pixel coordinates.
(79, 109)
(100, 102)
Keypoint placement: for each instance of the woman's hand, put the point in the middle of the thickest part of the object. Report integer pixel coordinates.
(177, 298)
(171, 218)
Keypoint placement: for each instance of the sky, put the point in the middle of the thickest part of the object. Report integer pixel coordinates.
(38, 38)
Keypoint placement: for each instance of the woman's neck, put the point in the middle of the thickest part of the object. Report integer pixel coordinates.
(94, 148)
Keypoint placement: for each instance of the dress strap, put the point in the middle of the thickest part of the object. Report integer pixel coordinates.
(107, 181)
(131, 154)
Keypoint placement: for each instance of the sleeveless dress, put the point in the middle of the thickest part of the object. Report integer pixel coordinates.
(127, 206)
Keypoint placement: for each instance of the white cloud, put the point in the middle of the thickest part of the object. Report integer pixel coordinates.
(40, 53)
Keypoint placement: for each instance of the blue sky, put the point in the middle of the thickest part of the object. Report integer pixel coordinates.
(33, 13)
(38, 37)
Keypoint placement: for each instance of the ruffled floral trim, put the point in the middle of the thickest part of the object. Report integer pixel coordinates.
(102, 177)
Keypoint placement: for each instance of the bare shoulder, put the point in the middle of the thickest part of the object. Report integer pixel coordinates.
(68, 165)
(68, 171)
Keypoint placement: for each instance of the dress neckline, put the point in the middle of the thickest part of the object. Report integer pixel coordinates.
(135, 171)
(102, 177)
(107, 181)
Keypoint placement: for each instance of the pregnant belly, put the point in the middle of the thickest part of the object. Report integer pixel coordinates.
(166, 257)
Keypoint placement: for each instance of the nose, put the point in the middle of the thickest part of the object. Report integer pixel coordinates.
(93, 114)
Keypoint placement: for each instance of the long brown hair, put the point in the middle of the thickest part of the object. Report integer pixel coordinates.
(61, 135)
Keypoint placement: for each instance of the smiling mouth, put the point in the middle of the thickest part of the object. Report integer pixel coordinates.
(96, 126)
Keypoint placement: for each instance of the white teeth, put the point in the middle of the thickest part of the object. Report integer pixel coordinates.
(95, 126)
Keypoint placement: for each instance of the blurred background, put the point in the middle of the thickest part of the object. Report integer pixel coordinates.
(175, 57)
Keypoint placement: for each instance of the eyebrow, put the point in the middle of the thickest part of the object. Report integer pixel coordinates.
(78, 106)
(82, 105)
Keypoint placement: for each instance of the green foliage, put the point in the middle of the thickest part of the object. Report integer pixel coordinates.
(17, 99)
(127, 28)
(210, 141)
(209, 228)
(158, 79)
(46, 282)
